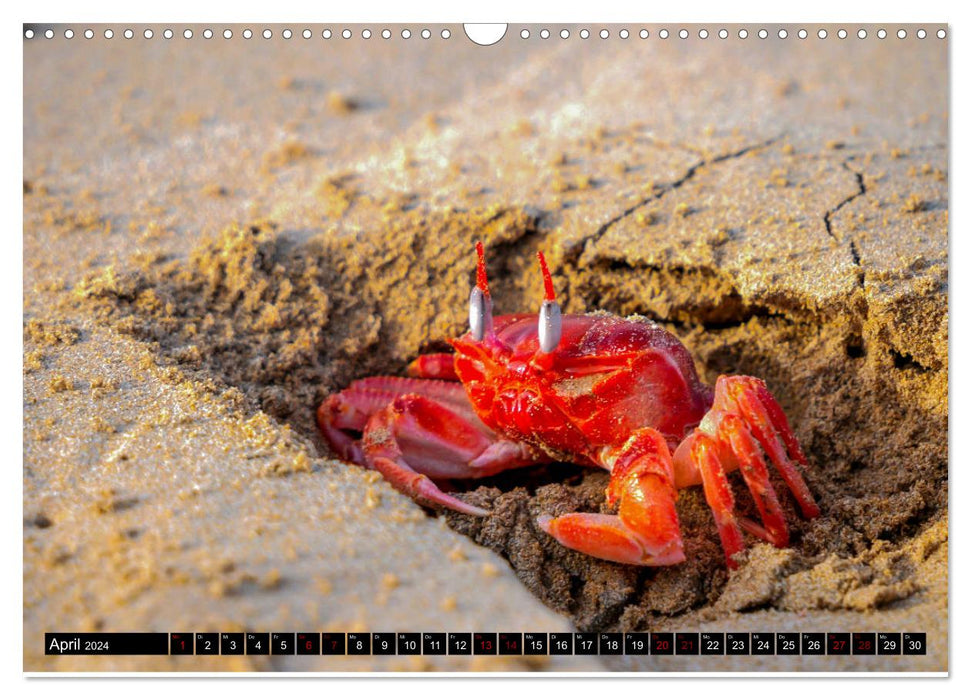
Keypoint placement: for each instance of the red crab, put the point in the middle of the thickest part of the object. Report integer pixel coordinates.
(594, 389)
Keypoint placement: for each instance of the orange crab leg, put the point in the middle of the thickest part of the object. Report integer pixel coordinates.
(645, 531)
(703, 452)
(756, 475)
(428, 423)
(769, 426)
(744, 417)
(349, 410)
(439, 365)
(450, 393)
(442, 441)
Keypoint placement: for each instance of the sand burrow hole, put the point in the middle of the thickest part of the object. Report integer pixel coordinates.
(286, 323)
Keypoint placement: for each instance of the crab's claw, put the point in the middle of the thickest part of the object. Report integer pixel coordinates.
(645, 531)
(439, 365)
(744, 421)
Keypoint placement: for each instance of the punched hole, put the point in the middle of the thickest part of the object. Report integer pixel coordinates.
(487, 34)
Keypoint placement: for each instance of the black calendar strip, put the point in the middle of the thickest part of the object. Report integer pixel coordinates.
(487, 643)
(106, 643)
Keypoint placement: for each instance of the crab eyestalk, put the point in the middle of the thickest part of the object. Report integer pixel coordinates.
(550, 322)
(480, 303)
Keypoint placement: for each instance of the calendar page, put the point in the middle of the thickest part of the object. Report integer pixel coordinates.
(549, 348)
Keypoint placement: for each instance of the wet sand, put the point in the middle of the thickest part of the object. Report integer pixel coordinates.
(215, 239)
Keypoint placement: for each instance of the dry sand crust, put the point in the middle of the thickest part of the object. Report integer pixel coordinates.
(206, 261)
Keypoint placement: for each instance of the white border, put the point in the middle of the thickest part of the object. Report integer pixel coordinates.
(511, 11)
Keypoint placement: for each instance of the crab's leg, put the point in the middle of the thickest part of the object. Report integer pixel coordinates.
(348, 411)
(450, 393)
(645, 531)
(434, 366)
(343, 413)
(441, 442)
(732, 430)
(762, 414)
(743, 418)
(416, 430)
(703, 452)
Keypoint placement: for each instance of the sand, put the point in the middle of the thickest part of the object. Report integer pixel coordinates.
(218, 236)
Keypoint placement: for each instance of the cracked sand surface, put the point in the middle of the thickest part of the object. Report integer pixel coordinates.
(783, 209)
